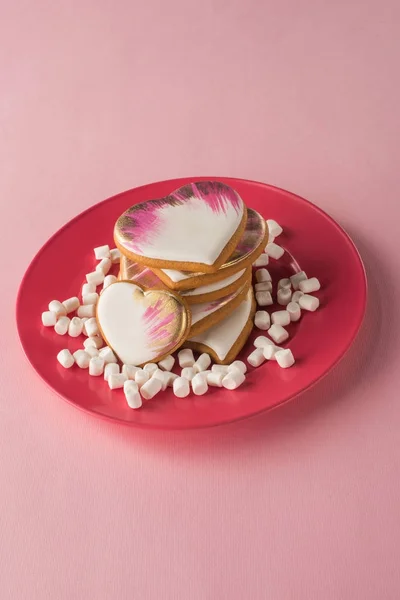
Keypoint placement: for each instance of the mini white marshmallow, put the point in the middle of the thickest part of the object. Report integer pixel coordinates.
(233, 379)
(102, 252)
(274, 251)
(284, 295)
(116, 381)
(274, 228)
(262, 319)
(307, 286)
(294, 311)
(150, 368)
(110, 369)
(167, 364)
(280, 317)
(296, 278)
(115, 255)
(215, 379)
(57, 307)
(86, 310)
(141, 377)
(159, 374)
(75, 327)
(256, 358)
(107, 355)
(181, 387)
(95, 342)
(188, 373)
(264, 298)
(49, 318)
(92, 351)
(219, 369)
(278, 333)
(261, 261)
(296, 296)
(90, 298)
(186, 358)
(82, 359)
(96, 277)
(61, 327)
(132, 395)
(270, 351)
(104, 266)
(170, 378)
(263, 275)
(202, 363)
(108, 280)
(308, 302)
(71, 304)
(261, 341)
(84, 319)
(91, 327)
(199, 384)
(130, 371)
(88, 288)
(284, 284)
(151, 388)
(263, 286)
(238, 364)
(65, 358)
(285, 358)
(96, 366)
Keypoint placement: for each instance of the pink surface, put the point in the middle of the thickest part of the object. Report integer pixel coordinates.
(97, 97)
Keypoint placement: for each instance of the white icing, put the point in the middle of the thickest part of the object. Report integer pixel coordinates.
(191, 232)
(200, 311)
(212, 287)
(222, 336)
(176, 276)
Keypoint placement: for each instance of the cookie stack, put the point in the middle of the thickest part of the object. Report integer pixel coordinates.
(197, 246)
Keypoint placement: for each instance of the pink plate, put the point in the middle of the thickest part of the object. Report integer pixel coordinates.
(314, 242)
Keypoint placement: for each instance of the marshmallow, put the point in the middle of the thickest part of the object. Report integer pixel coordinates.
(141, 377)
(108, 280)
(256, 358)
(84, 319)
(215, 379)
(307, 286)
(219, 369)
(167, 363)
(102, 252)
(308, 302)
(86, 310)
(199, 384)
(274, 228)
(274, 251)
(111, 369)
(261, 341)
(296, 278)
(151, 388)
(188, 373)
(82, 359)
(284, 283)
(116, 381)
(104, 266)
(132, 394)
(65, 358)
(158, 374)
(75, 327)
(284, 358)
(264, 298)
(91, 327)
(49, 318)
(294, 311)
(238, 364)
(92, 351)
(296, 296)
(96, 366)
(91, 298)
(71, 304)
(96, 277)
(262, 319)
(263, 286)
(181, 387)
(186, 358)
(262, 260)
(94, 341)
(115, 255)
(107, 355)
(130, 371)
(270, 351)
(61, 327)
(170, 378)
(262, 275)
(88, 288)
(278, 333)
(150, 368)
(284, 296)
(233, 379)
(202, 363)
(280, 317)
(58, 308)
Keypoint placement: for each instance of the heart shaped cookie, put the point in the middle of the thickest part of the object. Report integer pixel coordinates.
(141, 326)
(196, 228)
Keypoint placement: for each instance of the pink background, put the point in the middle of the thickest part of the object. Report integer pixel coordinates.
(100, 96)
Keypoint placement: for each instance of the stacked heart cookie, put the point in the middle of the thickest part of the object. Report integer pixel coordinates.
(185, 275)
